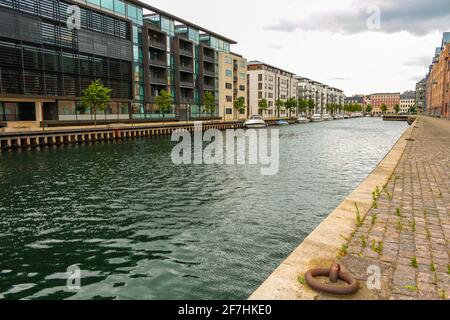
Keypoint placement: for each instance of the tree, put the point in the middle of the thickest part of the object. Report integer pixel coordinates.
(384, 108)
(302, 106)
(279, 104)
(290, 104)
(397, 108)
(209, 102)
(96, 97)
(369, 108)
(413, 110)
(239, 105)
(311, 105)
(164, 102)
(263, 105)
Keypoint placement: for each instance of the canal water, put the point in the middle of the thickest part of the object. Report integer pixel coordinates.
(140, 227)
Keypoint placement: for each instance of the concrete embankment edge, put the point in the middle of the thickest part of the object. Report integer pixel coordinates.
(323, 245)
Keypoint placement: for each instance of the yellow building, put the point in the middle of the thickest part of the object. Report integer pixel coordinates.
(233, 85)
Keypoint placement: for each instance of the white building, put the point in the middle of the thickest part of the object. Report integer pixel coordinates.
(320, 93)
(407, 101)
(270, 83)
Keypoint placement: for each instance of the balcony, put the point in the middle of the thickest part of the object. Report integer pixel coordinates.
(186, 100)
(186, 53)
(158, 81)
(157, 45)
(209, 87)
(186, 84)
(186, 68)
(208, 58)
(209, 73)
(157, 62)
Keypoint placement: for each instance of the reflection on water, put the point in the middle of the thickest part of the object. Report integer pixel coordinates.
(140, 227)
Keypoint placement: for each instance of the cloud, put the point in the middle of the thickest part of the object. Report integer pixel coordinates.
(275, 46)
(340, 79)
(418, 17)
(420, 61)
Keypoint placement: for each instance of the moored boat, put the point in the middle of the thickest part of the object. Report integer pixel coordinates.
(255, 121)
(282, 123)
(302, 120)
(327, 117)
(316, 118)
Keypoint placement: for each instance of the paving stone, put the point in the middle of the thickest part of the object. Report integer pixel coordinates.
(420, 187)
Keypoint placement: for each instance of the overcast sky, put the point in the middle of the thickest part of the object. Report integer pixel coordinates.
(329, 40)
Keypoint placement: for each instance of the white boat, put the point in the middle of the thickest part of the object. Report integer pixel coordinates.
(327, 117)
(346, 116)
(255, 121)
(338, 117)
(316, 118)
(302, 120)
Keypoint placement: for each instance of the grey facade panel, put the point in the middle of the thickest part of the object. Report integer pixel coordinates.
(126, 50)
(8, 25)
(100, 45)
(30, 29)
(85, 43)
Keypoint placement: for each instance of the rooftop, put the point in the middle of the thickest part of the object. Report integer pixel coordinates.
(181, 20)
(256, 62)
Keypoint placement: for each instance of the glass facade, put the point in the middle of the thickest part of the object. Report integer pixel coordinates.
(40, 56)
(51, 60)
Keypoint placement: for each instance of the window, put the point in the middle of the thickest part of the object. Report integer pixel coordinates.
(242, 88)
(228, 73)
(108, 4)
(119, 7)
(96, 2)
(229, 111)
(260, 86)
(228, 86)
(260, 95)
(229, 99)
(259, 77)
(228, 60)
(242, 76)
(242, 63)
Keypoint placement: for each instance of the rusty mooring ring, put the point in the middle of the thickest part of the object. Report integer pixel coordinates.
(334, 273)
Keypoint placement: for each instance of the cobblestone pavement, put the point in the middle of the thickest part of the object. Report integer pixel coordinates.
(407, 232)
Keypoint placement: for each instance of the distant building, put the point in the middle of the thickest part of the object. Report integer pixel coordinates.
(421, 89)
(270, 83)
(437, 92)
(320, 93)
(377, 100)
(407, 101)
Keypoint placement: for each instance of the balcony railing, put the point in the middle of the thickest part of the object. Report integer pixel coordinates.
(187, 84)
(209, 87)
(208, 58)
(186, 68)
(186, 99)
(158, 80)
(186, 53)
(209, 73)
(157, 45)
(156, 62)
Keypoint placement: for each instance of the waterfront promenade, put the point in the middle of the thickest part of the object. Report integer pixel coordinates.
(405, 230)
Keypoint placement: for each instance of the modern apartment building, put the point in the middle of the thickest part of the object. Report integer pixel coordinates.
(232, 85)
(133, 48)
(407, 101)
(421, 88)
(270, 83)
(321, 94)
(391, 100)
(438, 81)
